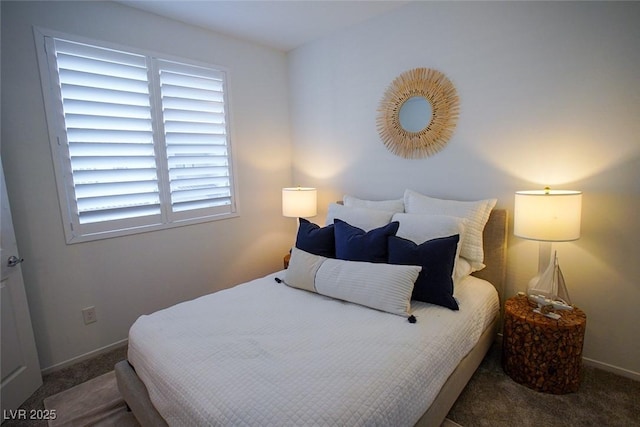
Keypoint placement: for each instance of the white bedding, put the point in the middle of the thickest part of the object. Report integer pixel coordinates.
(265, 354)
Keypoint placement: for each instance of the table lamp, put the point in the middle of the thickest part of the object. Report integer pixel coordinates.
(299, 202)
(547, 216)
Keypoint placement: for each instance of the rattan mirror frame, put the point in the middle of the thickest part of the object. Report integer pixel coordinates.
(438, 90)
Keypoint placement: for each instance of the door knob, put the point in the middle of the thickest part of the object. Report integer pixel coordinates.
(14, 260)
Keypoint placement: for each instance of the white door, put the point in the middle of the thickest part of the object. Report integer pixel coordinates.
(19, 358)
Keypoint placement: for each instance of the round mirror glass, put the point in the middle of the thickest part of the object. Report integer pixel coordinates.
(415, 114)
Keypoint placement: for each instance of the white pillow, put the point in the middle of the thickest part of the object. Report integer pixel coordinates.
(396, 205)
(364, 218)
(461, 269)
(422, 228)
(385, 287)
(476, 213)
(302, 269)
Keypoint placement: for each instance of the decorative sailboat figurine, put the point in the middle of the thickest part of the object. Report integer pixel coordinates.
(550, 291)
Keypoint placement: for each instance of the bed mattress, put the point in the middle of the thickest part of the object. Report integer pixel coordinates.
(265, 354)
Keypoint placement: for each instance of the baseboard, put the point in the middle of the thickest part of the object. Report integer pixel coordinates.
(613, 369)
(85, 356)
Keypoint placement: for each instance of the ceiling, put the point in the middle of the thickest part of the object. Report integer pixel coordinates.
(283, 25)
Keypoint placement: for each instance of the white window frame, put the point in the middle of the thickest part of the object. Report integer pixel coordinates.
(76, 232)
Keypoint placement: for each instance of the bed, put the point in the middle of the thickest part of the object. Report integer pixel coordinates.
(226, 359)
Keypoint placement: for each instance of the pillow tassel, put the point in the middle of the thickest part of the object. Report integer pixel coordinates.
(412, 319)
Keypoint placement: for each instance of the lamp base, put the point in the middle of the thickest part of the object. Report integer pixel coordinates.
(533, 283)
(544, 260)
(550, 283)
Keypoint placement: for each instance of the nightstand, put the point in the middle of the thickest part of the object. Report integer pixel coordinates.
(542, 353)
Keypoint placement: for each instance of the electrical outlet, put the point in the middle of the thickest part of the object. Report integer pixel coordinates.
(89, 315)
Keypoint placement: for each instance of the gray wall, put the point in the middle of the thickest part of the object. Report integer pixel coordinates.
(128, 276)
(549, 95)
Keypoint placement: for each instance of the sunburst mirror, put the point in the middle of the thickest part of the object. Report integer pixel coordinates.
(418, 113)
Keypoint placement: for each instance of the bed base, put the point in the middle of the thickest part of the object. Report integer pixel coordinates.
(437, 412)
(137, 398)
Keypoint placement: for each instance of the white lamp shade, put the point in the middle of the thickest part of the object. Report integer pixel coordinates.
(548, 215)
(299, 202)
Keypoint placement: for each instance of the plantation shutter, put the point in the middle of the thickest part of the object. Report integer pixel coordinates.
(109, 135)
(139, 142)
(195, 133)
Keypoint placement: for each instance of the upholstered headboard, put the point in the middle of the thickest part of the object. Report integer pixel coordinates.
(494, 241)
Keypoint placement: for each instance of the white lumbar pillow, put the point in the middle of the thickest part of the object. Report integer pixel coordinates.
(302, 269)
(385, 287)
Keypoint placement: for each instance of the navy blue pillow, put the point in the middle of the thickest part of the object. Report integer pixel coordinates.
(437, 258)
(315, 239)
(355, 244)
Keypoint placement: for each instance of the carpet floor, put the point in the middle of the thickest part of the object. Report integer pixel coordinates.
(64, 379)
(96, 402)
(490, 399)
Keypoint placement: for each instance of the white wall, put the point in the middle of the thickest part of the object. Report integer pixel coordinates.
(550, 95)
(128, 276)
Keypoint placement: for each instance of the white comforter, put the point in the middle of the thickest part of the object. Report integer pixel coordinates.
(265, 354)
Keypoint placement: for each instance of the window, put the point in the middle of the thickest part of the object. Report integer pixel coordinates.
(139, 142)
